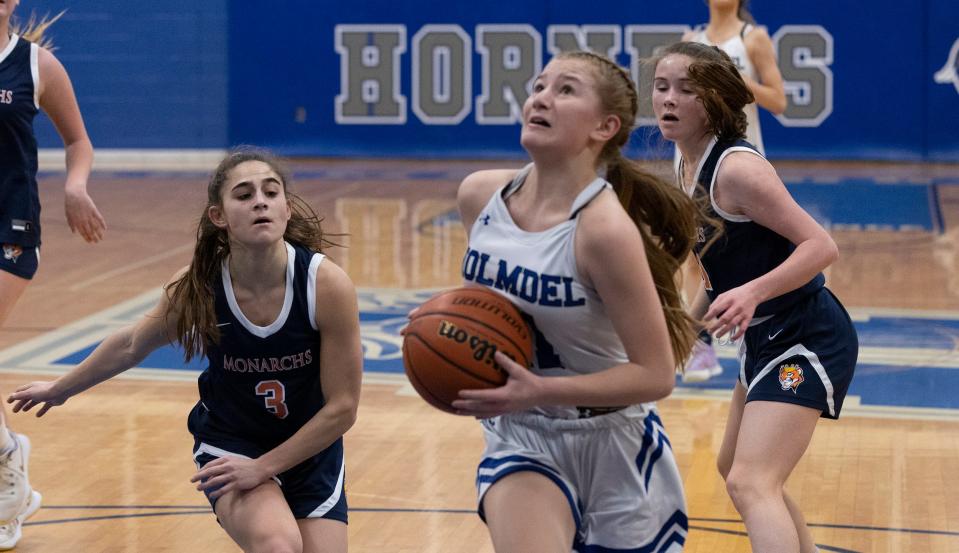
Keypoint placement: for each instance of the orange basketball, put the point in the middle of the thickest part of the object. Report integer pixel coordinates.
(449, 343)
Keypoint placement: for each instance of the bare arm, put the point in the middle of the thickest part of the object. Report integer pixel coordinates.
(748, 185)
(120, 351)
(769, 91)
(341, 362)
(59, 102)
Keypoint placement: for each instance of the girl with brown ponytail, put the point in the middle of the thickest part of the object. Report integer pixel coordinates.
(762, 258)
(732, 29)
(586, 244)
(279, 324)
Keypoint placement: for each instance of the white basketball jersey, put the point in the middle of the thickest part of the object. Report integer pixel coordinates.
(735, 48)
(537, 272)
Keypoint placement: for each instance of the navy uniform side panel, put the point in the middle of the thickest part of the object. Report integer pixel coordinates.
(19, 200)
(260, 389)
(744, 251)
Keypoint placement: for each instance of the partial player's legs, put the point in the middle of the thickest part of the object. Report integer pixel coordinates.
(11, 288)
(725, 463)
(527, 513)
(17, 499)
(772, 437)
(703, 363)
(322, 535)
(260, 520)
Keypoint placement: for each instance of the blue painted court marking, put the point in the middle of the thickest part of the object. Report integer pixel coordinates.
(864, 204)
(908, 363)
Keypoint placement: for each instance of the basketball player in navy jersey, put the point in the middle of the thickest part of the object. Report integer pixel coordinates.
(31, 79)
(733, 30)
(762, 257)
(576, 455)
(279, 324)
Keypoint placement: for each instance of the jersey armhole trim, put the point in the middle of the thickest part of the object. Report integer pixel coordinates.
(311, 287)
(712, 186)
(35, 73)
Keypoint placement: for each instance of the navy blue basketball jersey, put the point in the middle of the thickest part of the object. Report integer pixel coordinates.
(19, 199)
(263, 382)
(744, 250)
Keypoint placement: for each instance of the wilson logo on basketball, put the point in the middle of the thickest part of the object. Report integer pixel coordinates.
(515, 323)
(482, 349)
(451, 339)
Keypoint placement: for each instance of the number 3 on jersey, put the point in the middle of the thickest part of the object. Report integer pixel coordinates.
(274, 397)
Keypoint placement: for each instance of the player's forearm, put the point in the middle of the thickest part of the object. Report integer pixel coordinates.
(625, 384)
(806, 261)
(79, 163)
(328, 425)
(769, 98)
(114, 355)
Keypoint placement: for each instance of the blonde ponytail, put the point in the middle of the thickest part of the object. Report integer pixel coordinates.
(34, 29)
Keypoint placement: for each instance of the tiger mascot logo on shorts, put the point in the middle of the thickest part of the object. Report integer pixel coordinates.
(790, 377)
(12, 252)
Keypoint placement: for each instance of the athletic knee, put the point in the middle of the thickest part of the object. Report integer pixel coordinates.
(746, 486)
(276, 543)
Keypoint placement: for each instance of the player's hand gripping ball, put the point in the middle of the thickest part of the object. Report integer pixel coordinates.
(450, 341)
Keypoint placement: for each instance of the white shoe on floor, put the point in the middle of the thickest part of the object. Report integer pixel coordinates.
(17, 499)
(11, 531)
(14, 481)
(702, 363)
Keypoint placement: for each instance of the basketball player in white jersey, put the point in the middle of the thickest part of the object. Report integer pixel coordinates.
(731, 28)
(576, 456)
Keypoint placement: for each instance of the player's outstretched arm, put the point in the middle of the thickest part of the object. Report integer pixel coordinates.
(118, 352)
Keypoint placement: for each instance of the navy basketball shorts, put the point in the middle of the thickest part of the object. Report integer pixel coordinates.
(312, 489)
(805, 355)
(617, 471)
(21, 261)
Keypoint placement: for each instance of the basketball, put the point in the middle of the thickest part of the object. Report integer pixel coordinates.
(449, 343)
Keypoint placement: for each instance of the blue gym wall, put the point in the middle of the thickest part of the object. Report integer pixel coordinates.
(146, 74)
(212, 73)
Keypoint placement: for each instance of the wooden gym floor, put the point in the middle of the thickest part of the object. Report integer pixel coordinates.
(114, 463)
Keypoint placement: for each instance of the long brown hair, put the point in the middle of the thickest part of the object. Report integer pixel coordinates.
(716, 81)
(665, 216)
(34, 29)
(192, 295)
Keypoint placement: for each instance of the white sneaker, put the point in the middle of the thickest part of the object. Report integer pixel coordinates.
(17, 499)
(702, 363)
(11, 531)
